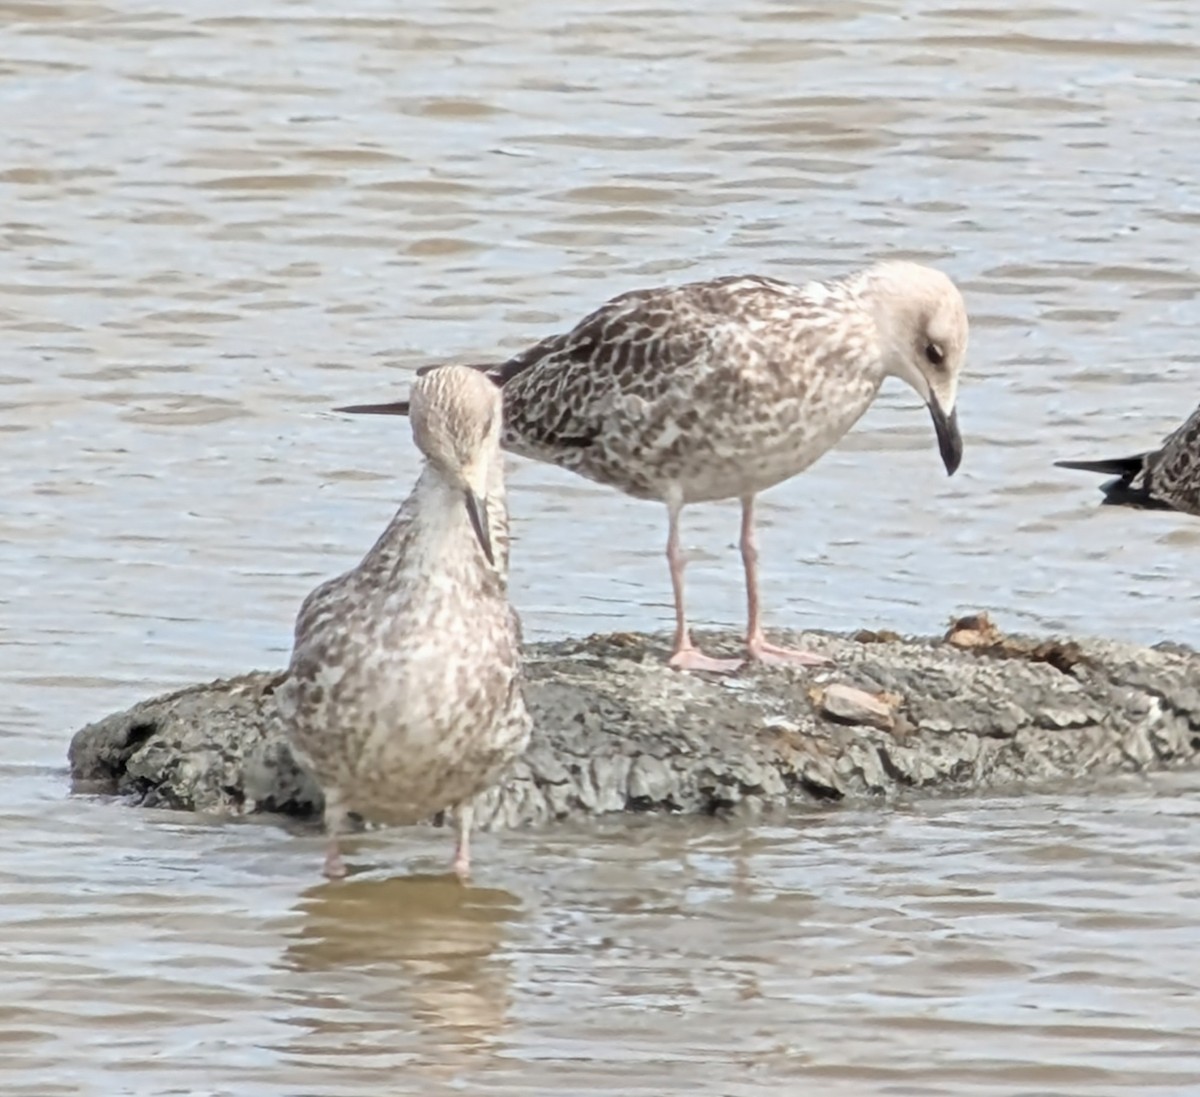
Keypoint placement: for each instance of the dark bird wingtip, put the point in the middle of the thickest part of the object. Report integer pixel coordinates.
(396, 407)
(1121, 490)
(1078, 466)
(1106, 466)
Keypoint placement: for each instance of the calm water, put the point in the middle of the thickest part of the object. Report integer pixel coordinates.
(218, 220)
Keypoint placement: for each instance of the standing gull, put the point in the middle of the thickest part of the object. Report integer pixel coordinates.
(721, 389)
(1167, 478)
(403, 693)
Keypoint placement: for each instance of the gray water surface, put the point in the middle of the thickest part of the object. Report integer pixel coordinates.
(218, 221)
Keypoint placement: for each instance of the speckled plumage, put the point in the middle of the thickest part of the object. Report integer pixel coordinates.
(723, 388)
(1167, 478)
(403, 694)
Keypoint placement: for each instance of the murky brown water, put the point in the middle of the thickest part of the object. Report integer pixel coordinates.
(219, 220)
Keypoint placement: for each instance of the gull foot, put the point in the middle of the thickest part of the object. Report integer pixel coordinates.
(695, 659)
(774, 656)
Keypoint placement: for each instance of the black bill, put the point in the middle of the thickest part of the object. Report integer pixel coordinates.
(950, 443)
(396, 407)
(477, 512)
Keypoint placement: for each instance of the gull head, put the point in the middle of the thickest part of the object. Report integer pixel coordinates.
(455, 415)
(922, 324)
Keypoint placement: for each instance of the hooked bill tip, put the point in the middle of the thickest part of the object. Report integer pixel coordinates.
(950, 443)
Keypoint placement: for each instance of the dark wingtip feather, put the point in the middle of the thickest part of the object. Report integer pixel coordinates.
(1111, 466)
(1119, 491)
(396, 407)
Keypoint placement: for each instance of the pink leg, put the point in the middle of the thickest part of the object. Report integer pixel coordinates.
(686, 656)
(335, 821)
(756, 642)
(335, 867)
(464, 814)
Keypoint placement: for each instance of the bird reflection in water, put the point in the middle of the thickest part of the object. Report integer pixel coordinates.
(408, 968)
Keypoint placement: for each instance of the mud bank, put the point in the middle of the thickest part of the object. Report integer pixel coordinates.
(617, 731)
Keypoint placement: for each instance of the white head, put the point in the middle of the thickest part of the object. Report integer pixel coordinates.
(456, 421)
(922, 322)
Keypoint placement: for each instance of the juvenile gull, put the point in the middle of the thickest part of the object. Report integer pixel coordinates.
(403, 694)
(721, 389)
(1167, 478)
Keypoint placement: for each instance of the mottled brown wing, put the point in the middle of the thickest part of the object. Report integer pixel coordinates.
(316, 606)
(557, 392)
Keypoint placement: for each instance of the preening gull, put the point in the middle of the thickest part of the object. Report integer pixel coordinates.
(723, 388)
(1167, 478)
(403, 694)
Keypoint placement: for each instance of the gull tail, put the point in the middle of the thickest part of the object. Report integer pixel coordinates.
(1121, 492)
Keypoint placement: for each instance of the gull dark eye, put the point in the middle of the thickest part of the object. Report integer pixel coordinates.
(935, 354)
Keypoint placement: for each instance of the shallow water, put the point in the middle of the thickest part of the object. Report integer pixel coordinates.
(218, 221)
(1032, 945)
